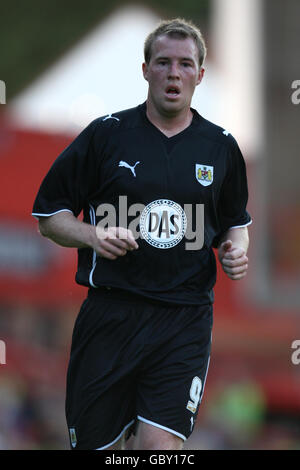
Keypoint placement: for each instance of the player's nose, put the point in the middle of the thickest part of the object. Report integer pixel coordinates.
(173, 70)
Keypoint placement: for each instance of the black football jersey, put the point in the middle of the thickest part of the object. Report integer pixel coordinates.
(178, 195)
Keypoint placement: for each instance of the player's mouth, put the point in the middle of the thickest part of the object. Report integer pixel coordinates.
(172, 91)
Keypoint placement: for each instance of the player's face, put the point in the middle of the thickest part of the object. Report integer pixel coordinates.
(172, 73)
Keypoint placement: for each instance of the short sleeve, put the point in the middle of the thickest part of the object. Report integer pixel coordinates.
(233, 198)
(70, 178)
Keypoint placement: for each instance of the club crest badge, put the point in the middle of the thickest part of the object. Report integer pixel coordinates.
(204, 174)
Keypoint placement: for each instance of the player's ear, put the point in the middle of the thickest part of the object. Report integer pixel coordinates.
(200, 76)
(145, 70)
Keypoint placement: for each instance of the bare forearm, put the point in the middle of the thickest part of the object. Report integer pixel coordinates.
(66, 230)
(238, 236)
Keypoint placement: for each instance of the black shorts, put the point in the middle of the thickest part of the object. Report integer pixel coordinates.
(131, 361)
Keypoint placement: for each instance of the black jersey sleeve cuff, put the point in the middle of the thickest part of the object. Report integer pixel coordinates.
(247, 220)
(37, 215)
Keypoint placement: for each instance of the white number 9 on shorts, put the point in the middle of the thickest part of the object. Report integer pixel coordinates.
(195, 392)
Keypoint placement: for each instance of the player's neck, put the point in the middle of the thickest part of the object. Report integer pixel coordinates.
(169, 124)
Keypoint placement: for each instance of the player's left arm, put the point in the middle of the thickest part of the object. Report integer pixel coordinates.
(232, 252)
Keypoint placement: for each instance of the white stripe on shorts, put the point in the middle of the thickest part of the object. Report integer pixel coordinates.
(117, 438)
(162, 427)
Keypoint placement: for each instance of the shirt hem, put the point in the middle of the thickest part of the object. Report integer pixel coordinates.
(124, 295)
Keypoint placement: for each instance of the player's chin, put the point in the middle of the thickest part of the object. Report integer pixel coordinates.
(176, 103)
(171, 107)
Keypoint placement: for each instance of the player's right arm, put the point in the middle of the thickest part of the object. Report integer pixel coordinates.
(64, 192)
(66, 230)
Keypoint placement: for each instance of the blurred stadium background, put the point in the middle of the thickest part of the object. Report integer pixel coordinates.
(65, 63)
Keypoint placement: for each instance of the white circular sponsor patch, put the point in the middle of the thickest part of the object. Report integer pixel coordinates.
(163, 223)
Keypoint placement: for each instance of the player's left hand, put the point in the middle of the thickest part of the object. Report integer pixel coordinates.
(233, 260)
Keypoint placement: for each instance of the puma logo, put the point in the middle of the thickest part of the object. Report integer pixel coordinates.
(131, 168)
(110, 117)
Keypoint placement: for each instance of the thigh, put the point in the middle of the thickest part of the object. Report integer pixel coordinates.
(171, 383)
(150, 437)
(101, 379)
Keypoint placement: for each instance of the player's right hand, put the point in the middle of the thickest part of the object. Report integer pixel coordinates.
(114, 242)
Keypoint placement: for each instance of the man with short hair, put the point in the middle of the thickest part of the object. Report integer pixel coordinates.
(141, 342)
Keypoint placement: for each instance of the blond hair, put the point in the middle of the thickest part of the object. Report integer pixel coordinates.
(176, 28)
